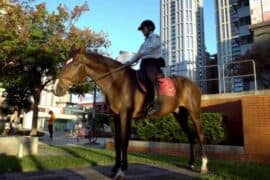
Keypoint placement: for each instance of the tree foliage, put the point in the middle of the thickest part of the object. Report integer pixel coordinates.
(34, 43)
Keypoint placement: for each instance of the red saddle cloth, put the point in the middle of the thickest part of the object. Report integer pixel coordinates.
(166, 86)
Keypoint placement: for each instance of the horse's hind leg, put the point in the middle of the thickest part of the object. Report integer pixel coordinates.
(196, 116)
(182, 118)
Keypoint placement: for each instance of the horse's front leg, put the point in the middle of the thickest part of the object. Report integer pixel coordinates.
(117, 145)
(125, 123)
(125, 133)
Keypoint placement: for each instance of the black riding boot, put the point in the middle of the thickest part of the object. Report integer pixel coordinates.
(153, 106)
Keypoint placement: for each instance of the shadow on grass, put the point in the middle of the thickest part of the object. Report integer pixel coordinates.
(9, 164)
(83, 154)
(77, 155)
(111, 157)
(37, 163)
(172, 160)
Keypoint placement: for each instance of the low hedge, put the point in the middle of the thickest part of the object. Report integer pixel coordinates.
(167, 129)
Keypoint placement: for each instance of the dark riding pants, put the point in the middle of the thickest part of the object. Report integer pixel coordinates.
(151, 69)
(50, 127)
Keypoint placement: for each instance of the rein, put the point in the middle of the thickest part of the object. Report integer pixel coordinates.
(111, 72)
(107, 74)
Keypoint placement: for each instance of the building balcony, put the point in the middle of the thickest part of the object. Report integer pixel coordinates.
(235, 37)
(234, 3)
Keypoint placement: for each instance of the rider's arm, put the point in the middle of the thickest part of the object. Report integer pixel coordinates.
(136, 57)
(146, 48)
(150, 44)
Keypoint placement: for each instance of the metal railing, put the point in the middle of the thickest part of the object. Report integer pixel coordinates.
(228, 77)
(224, 76)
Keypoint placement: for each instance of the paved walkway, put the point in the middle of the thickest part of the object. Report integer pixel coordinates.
(135, 172)
(61, 139)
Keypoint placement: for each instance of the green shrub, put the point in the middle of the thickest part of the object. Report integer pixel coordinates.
(214, 129)
(167, 129)
(162, 129)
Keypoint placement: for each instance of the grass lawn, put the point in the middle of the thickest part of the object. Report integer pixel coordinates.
(67, 157)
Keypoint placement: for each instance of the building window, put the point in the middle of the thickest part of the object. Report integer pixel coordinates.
(191, 42)
(187, 4)
(245, 3)
(222, 17)
(244, 21)
(246, 39)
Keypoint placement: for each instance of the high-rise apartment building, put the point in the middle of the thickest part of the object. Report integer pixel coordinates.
(182, 37)
(233, 35)
(260, 21)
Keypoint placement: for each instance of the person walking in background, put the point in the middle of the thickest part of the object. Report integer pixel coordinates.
(50, 124)
(13, 121)
(15, 115)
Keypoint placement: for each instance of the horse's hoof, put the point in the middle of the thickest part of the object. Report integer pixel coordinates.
(204, 171)
(192, 167)
(120, 175)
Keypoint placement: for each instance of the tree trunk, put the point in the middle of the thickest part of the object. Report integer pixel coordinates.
(35, 114)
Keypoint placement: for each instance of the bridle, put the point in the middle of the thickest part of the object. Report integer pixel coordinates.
(102, 76)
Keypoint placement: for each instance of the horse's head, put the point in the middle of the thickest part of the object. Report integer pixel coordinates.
(73, 73)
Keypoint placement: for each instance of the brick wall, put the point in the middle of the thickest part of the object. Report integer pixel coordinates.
(247, 119)
(247, 116)
(232, 110)
(256, 125)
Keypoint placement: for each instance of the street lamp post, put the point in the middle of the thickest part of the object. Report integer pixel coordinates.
(91, 133)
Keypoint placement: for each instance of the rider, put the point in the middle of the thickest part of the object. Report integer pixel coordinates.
(150, 54)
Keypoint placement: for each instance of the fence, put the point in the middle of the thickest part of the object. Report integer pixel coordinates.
(234, 76)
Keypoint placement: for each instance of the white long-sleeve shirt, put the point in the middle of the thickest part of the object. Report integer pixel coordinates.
(151, 48)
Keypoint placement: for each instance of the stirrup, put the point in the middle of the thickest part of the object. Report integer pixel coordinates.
(154, 108)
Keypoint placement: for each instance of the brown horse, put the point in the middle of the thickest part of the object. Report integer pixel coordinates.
(126, 100)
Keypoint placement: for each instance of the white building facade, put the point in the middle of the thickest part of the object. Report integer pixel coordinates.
(182, 37)
(234, 37)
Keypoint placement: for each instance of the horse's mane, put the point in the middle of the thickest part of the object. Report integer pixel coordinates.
(103, 60)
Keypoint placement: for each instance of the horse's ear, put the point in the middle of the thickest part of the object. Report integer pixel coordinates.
(75, 49)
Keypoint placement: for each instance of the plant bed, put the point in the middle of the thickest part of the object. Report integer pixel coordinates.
(18, 145)
(225, 152)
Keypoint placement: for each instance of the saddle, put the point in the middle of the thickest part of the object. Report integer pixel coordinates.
(166, 86)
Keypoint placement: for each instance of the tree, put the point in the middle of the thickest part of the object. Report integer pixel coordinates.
(35, 42)
(18, 96)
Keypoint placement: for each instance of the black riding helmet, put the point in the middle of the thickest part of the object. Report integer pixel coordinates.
(147, 23)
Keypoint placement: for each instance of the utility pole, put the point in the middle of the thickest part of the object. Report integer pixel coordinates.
(94, 102)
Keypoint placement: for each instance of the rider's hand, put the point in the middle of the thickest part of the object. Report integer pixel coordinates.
(132, 63)
(134, 59)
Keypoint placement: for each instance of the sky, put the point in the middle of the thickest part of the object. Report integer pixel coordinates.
(119, 19)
